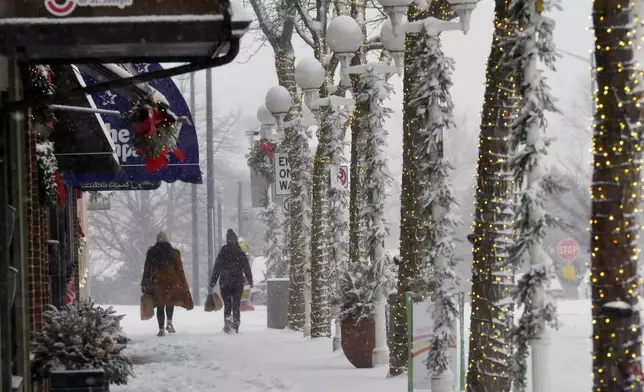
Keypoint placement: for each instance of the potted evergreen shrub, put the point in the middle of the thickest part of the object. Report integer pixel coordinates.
(360, 285)
(79, 337)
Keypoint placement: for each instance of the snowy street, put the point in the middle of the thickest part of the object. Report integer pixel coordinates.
(200, 357)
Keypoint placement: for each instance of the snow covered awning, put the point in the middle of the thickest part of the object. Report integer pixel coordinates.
(117, 31)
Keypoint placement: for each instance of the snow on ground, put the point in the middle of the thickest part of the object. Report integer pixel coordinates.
(199, 357)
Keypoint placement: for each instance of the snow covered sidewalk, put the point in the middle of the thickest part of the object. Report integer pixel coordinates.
(199, 357)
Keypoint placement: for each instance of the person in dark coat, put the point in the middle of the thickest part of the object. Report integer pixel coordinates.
(165, 280)
(230, 268)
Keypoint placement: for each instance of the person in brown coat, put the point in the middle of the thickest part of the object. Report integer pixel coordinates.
(165, 280)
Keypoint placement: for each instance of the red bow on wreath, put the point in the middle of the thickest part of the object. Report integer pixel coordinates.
(149, 125)
(267, 148)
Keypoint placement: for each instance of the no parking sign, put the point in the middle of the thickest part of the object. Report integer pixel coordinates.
(339, 177)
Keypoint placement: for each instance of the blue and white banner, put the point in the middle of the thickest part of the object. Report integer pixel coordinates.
(133, 168)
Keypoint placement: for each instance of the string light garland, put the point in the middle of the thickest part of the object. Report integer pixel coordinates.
(495, 195)
(411, 221)
(616, 194)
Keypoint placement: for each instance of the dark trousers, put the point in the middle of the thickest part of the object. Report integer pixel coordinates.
(161, 313)
(231, 295)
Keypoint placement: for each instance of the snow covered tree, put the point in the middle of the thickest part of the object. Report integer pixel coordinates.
(616, 194)
(277, 22)
(492, 277)
(81, 336)
(531, 39)
(411, 189)
(433, 105)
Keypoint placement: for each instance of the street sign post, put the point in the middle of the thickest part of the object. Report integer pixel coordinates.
(282, 174)
(339, 177)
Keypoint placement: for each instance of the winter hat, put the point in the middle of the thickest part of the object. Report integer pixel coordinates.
(231, 237)
(162, 237)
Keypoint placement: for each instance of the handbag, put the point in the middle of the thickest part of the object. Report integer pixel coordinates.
(214, 302)
(147, 307)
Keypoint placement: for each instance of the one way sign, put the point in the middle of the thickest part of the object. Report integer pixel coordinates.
(282, 174)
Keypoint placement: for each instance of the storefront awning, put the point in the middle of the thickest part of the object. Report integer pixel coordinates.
(81, 140)
(116, 31)
(132, 167)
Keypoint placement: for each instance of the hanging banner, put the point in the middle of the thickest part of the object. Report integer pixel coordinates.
(133, 168)
(420, 313)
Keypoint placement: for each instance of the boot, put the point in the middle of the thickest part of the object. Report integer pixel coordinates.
(236, 326)
(228, 325)
(161, 332)
(170, 327)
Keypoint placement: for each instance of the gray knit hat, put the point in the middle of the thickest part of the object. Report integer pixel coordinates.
(162, 237)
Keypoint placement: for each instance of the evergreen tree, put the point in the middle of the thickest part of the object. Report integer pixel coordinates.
(616, 194)
(433, 104)
(276, 266)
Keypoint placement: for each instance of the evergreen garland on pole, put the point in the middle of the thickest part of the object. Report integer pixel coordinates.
(433, 104)
(260, 159)
(338, 198)
(43, 121)
(531, 40)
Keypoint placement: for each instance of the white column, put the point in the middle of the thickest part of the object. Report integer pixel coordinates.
(380, 354)
(307, 306)
(540, 381)
(337, 337)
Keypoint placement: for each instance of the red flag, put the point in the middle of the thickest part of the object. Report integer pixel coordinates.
(60, 185)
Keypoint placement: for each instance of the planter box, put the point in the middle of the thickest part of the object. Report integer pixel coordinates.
(358, 341)
(79, 381)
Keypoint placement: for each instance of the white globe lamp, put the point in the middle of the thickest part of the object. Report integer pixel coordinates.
(464, 10)
(344, 37)
(309, 75)
(278, 102)
(396, 10)
(394, 44)
(265, 117)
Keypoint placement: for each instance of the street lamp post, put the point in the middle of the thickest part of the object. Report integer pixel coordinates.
(393, 40)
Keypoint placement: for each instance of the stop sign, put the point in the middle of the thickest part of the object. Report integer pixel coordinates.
(567, 250)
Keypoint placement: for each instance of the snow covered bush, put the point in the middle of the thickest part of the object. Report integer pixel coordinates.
(276, 266)
(81, 336)
(47, 170)
(360, 285)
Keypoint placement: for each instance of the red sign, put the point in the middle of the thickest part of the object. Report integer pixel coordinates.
(567, 250)
(286, 204)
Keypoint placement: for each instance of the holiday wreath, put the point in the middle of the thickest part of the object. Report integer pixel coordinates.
(156, 133)
(260, 158)
(50, 182)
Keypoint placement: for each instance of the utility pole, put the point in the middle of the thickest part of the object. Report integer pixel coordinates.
(240, 214)
(196, 289)
(210, 161)
(220, 233)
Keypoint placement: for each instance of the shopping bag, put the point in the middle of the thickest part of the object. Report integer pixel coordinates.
(147, 307)
(214, 302)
